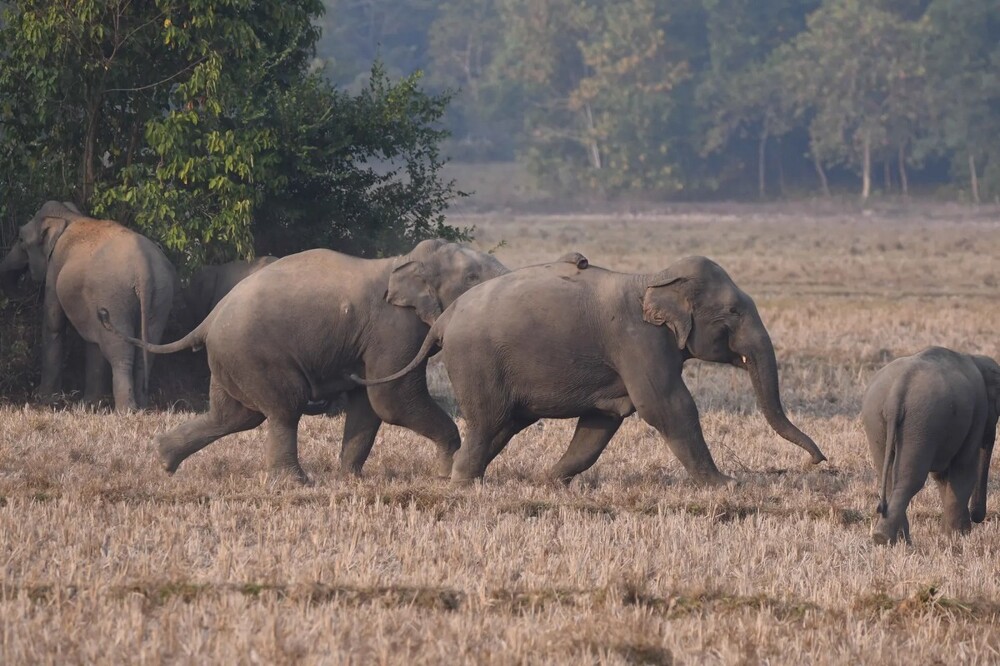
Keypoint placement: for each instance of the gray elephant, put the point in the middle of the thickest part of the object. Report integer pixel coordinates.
(283, 341)
(209, 284)
(85, 262)
(568, 340)
(932, 413)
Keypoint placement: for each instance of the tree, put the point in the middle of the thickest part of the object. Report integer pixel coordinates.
(859, 68)
(201, 124)
(596, 78)
(742, 91)
(963, 86)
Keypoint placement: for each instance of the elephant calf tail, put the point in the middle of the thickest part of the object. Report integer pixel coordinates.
(193, 340)
(892, 427)
(433, 338)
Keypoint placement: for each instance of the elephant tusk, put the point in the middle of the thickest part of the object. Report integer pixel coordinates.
(744, 360)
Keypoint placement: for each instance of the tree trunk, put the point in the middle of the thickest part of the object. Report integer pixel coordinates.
(87, 159)
(973, 179)
(781, 169)
(823, 182)
(904, 181)
(886, 176)
(866, 166)
(592, 148)
(761, 165)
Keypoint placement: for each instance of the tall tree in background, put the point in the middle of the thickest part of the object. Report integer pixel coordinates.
(963, 92)
(742, 91)
(190, 120)
(859, 67)
(463, 40)
(597, 78)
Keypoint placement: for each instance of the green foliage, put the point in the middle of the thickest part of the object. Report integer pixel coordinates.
(201, 124)
(689, 97)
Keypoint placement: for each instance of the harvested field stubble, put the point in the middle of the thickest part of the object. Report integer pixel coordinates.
(106, 558)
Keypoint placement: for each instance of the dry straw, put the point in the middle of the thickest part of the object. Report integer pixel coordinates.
(104, 558)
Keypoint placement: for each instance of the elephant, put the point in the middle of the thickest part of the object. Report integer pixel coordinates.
(85, 262)
(573, 340)
(934, 412)
(209, 284)
(281, 343)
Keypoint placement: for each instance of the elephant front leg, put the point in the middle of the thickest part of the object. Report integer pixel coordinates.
(282, 448)
(53, 328)
(361, 425)
(673, 413)
(593, 433)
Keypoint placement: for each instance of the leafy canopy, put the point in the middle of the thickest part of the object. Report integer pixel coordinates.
(202, 124)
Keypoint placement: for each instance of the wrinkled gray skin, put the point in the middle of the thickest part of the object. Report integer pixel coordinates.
(932, 413)
(285, 338)
(564, 340)
(85, 263)
(210, 284)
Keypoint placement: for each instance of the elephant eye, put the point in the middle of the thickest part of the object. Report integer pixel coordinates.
(472, 277)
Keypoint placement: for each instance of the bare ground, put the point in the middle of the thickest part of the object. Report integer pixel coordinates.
(106, 558)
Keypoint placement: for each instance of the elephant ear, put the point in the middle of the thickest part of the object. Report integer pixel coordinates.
(664, 305)
(52, 229)
(409, 288)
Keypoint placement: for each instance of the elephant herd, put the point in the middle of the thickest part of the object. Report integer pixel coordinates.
(566, 339)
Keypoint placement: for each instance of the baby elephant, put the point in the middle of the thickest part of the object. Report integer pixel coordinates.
(934, 412)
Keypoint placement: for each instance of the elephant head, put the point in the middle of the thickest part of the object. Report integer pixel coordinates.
(714, 320)
(991, 376)
(435, 273)
(37, 239)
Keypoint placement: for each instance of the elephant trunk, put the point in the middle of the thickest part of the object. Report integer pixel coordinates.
(12, 267)
(763, 369)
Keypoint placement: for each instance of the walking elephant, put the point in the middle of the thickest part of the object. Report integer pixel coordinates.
(932, 413)
(568, 340)
(85, 262)
(210, 284)
(282, 342)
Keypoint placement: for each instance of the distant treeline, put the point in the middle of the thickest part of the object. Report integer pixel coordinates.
(695, 97)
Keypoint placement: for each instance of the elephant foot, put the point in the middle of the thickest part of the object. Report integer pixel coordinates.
(716, 479)
(558, 478)
(293, 473)
(882, 535)
(881, 539)
(444, 465)
(463, 481)
(170, 459)
(349, 471)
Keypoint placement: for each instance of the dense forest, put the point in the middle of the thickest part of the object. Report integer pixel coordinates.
(701, 98)
(221, 128)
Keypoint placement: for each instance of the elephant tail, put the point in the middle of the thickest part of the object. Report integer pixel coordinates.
(432, 340)
(193, 340)
(892, 426)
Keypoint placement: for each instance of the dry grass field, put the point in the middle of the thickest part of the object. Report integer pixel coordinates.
(105, 558)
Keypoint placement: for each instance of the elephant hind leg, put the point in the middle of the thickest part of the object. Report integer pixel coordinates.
(888, 527)
(593, 433)
(407, 403)
(956, 490)
(96, 375)
(225, 415)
